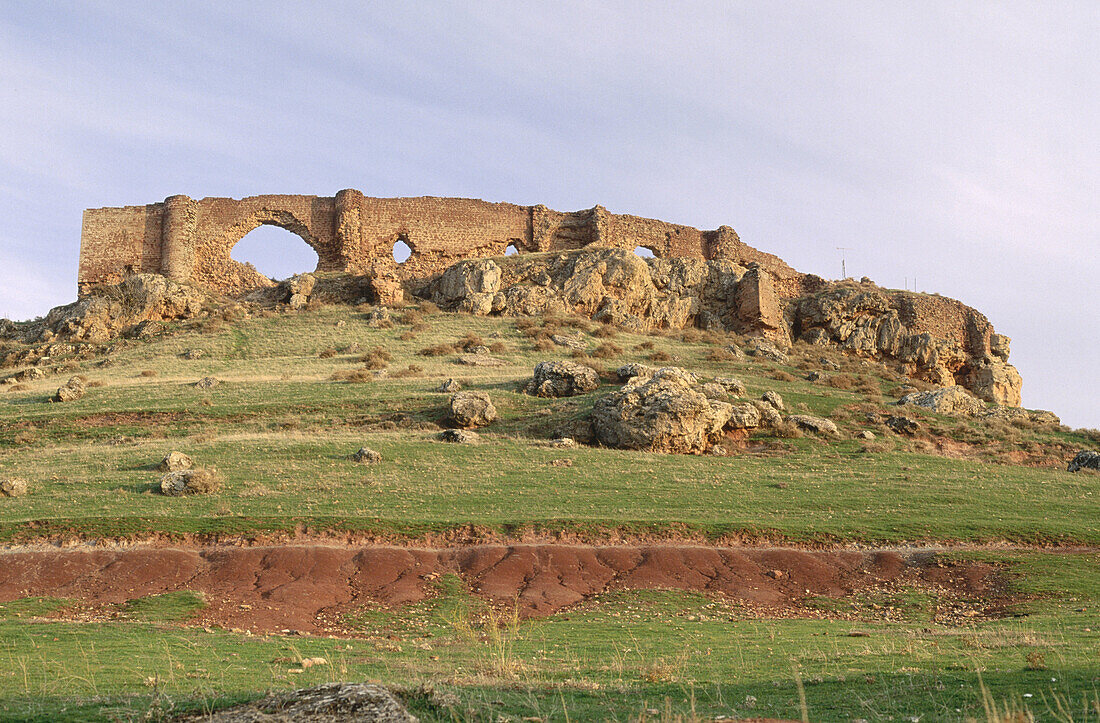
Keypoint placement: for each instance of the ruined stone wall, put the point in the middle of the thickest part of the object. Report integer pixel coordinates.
(191, 240)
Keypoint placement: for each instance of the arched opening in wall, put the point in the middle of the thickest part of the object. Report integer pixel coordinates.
(401, 251)
(644, 252)
(275, 252)
(511, 250)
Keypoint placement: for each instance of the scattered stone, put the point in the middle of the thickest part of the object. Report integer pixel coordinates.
(732, 385)
(341, 323)
(770, 418)
(479, 349)
(765, 349)
(189, 482)
(472, 409)
(449, 387)
(714, 390)
(736, 351)
(31, 374)
(718, 451)
(829, 364)
(563, 443)
(628, 371)
(561, 462)
(745, 415)
(479, 360)
(194, 354)
(366, 456)
(948, 400)
(661, 413)
(295, 291)
(773, 399)
(902, 425)
(207, 383)
(775, 574)
(174, 462)
(13, 487)
(71, 391)
(458, 436)
(865, 434)
(570, 342)
(562, 379)
(814, 376)
(817, 425)
(327, 703)
(379, 318)
(1085, 460)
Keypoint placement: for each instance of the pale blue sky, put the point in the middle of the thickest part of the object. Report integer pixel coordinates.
(955, 143)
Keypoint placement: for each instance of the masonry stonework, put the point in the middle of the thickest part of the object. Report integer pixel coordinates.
(191, 240)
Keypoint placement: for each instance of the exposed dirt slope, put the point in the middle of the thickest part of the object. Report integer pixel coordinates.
(308, 587)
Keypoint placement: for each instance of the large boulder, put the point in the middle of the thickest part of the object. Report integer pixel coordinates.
(471, 409)
(189, 482)
(13, 487)
(562, 379)
(817, 425)
(1085, 460)
(948, 400)
(469, 285)
(996, 381)
(174, 462)
(71, 391)
(660, 413)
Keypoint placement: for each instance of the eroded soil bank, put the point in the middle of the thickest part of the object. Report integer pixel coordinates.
(310, 588)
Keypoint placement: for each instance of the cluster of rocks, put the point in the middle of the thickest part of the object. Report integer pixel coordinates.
(326, 703)
(934, 338)
(1085, 460)
(957, 401)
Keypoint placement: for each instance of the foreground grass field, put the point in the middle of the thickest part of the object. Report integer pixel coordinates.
(282, 423)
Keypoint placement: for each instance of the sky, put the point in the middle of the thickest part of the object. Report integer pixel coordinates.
(954, 147)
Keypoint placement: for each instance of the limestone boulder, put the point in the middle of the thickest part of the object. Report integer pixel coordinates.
(458, 436)
(189, 482)
(469, 286)
(744, 415)
(996, 381)
(470, 409)
(72, 390)
(948, 400)
(660, 413)
(774, 399)
(734, 386)
(325, 703)
(366, 455)
(817, 425)
(13, 487)
(174, 462)
(562, 379)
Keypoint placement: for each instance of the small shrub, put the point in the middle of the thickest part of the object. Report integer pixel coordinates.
(409, 335)
(660, 356)
(427, 307)
(411, 370)
(438, 350)
(720, 355)
(840, 381)
(470, 341)
(691, 336)
(327, 353)
(96, 383)
(782, 376)
(377, 358)
(497, 347)
(644, 346)
(411, 318)
(605, 331)
(544, 343)
(204, 481)
(788, 430)
(353, 376)
(149, 373)
(607, 350)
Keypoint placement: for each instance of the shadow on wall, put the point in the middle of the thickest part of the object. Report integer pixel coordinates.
(275, 252)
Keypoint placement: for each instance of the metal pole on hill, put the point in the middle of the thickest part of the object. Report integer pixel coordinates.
(843, 268)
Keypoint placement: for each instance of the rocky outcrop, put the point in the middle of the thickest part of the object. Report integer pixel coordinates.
(562, 379)
(663, 412)
(949, 400)
(817, 425)
(326, 703)
(110, 311)
(71, 391)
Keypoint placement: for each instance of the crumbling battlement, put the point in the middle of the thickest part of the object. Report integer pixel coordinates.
(190, 240)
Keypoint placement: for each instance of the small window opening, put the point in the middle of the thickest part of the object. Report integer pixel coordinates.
(401, 251)
(511, 250)
(644, 252)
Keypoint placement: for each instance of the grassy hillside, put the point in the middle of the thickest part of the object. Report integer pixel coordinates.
(298, 395)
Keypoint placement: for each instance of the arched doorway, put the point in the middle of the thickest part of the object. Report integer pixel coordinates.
(644, 252)
(511, 250)
(275, 252)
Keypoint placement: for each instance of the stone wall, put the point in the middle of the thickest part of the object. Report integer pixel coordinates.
(191, 240)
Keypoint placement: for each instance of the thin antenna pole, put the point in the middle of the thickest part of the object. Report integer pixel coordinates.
(843, 267)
